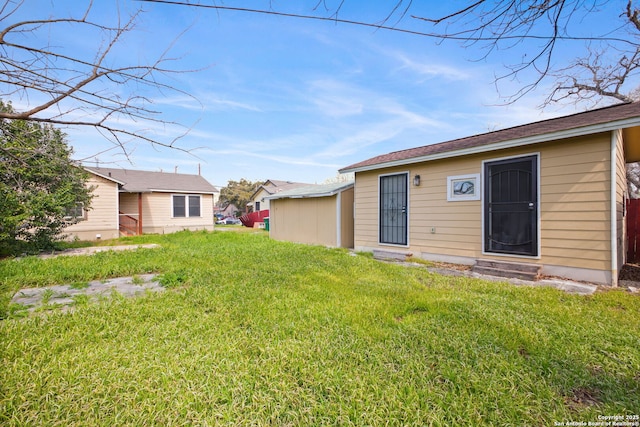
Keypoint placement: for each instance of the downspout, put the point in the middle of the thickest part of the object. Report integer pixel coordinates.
(613, 209)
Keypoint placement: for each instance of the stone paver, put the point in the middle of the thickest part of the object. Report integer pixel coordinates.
(63, 295)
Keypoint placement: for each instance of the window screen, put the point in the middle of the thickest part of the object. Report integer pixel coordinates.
(179, 206)
(194, 205)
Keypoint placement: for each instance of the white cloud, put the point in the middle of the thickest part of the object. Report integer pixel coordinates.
(335, 98)
(358, 117)
(287, 160)
(428, 68)
(181, 101)
(217, 104)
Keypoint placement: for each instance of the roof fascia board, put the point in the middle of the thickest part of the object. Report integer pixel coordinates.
(255, 193)
(310, 196)
(155, 190)
(110, 178)
(513, 143)
(301, 196)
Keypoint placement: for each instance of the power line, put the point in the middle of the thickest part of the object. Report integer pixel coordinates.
(386, 27)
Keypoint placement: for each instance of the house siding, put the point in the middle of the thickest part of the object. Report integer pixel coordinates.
(157, 214)
(102, 217)
(129, 204)
(575, 199)
(576, 190)
(346, 215)
(259, 197)
(309, 220)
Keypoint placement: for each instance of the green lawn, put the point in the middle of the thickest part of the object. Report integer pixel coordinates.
(256, 332)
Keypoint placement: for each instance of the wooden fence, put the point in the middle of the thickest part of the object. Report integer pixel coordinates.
(633, 231)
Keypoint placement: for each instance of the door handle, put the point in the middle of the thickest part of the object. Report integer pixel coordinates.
(532, 206)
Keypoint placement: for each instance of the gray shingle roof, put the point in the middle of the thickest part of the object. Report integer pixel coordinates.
(273, 186)
(583, 123)
(137, 181)
(321, 190)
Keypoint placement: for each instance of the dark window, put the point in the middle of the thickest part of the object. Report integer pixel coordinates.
(179, 206)
(194, 205)
(186, 206)
(75, 212)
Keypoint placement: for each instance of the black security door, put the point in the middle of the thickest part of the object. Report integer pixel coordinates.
(511, 206)
(393, 209)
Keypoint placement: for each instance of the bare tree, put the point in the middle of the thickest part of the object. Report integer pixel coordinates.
(607, 72)
(538, 29)
(591, 78)
(60, 86)
(535, 29)
(633, 180)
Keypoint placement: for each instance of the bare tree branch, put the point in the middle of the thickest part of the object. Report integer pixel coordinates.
(435, 35)
(633, 179)
(632, 15)
(494, 26)
(70, 89)
(592, 78)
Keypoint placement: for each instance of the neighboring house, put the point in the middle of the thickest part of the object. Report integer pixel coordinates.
(258, 201)
(317, 214)
(229, 210)
(129, 202)
(550, 194)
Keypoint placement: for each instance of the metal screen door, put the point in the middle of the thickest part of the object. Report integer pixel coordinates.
(393, 209)
(511, 206)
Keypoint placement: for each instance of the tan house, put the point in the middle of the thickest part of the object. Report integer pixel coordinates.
(550, 194)
(317, 214)
(130, 202)
(259, 200)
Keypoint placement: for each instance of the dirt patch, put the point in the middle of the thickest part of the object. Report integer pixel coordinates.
(448, 266)
(630, 272)
(581, 398)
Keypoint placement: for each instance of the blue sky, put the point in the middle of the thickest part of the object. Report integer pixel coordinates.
(292, 99)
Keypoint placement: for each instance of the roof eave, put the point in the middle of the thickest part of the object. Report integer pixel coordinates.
(255, 193)
(110, 178)
(312, 195)
(513, 143)
(302, 196)
(156, 190)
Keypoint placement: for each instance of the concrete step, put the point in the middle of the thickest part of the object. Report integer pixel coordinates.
(507, 269)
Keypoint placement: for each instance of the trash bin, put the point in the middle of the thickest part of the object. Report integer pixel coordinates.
(266, 223)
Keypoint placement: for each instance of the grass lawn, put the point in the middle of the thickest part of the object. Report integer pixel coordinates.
(257, 332)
